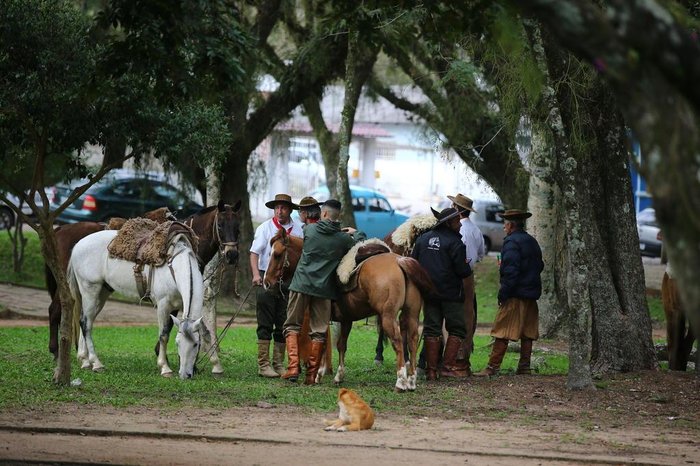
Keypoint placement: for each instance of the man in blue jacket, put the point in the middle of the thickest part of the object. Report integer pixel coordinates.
(517, 318)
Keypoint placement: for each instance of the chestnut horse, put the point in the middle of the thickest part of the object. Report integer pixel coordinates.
(283, 267)
(386, 283)
(217, 228)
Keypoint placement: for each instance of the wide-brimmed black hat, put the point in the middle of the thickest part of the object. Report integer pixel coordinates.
(514, 214)
(281, 199)
(444, 215)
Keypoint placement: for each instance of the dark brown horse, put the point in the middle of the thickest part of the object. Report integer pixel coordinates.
(386, 284)
(217, 228)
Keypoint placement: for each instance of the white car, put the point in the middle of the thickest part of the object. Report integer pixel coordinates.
(649, 233)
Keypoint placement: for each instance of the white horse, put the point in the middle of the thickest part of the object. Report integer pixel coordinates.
(93, 276)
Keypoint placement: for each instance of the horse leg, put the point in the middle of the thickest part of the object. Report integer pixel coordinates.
(209, 340)
(391, 327)
(93, 299)
(379, 349)
(54, 324)
(409, 335)
(82, 351)
(345, 328)
(164, 336)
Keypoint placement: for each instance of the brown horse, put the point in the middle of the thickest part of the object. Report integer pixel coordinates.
(217, 228)
(283, 267)
(386, 283)
(679, 333)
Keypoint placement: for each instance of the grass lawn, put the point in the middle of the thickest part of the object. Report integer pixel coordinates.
(132, 377)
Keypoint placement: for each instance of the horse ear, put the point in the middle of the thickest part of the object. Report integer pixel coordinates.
(237, 206)
(221, 206)
(176, 321)
(197, 325)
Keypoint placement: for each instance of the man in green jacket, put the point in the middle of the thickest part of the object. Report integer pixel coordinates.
(314, 286)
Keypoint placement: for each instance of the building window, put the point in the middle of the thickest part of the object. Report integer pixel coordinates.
(386, 153)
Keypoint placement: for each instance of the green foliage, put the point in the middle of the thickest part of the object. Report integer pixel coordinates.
(46, 62)
(32, 273)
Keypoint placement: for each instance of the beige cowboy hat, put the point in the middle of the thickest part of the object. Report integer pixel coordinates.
(514, 214)
(308, 201)
(462, 201)
(281, 199)
(444, 215)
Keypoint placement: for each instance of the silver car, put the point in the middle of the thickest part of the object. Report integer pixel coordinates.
(649, 233)
(490, 224)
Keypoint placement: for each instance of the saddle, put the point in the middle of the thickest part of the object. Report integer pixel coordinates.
(406, 234)
(145, 242)
(353, 260)
(160, 215)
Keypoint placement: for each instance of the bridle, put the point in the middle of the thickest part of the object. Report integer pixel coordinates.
(285, 263)
(217, 235)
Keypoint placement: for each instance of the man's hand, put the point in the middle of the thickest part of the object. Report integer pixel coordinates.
(348, 230)
(257, 280)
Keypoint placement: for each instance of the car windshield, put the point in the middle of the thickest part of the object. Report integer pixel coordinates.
(647, 217)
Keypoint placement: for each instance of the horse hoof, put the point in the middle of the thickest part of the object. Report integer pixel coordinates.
(379, 362)
(399, 390)
(86, 365)
(98, 369)
(218, 375)
(167, 375)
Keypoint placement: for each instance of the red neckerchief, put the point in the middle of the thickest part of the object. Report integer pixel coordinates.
(277, 224)
(312, 220)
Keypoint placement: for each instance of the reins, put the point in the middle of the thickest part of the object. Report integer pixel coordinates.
(221, 335)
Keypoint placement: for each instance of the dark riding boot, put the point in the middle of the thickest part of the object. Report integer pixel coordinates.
(314, 361)
(452, 366)
(264, 367)
(497, 353)
(278, 357)
(292, 373)
(432, 355)
(525, 356)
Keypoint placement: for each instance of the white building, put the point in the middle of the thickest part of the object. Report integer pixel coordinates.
(389, 152)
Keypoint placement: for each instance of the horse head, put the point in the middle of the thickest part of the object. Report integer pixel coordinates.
(188, 341)
(285, 255)
(227, 229)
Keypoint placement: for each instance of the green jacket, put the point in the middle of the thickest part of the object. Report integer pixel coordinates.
(324, 247)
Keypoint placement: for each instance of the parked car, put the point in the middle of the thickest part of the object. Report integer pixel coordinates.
(8, 217)
(373, 212)
(649, 233)
(121, 193)
(486, 218)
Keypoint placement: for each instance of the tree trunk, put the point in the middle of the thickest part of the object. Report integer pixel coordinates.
(358, 66)
(49, 250)
(212, 275)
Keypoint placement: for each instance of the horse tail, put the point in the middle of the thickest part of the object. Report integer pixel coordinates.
(51, 284)
(77, 302)
(416, 274)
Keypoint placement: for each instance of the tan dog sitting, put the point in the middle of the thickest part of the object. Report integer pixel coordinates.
(354, 414)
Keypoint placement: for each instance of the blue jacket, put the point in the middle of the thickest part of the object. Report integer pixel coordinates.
(443, 255)
(521, 265)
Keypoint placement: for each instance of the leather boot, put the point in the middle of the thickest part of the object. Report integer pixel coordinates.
(525, 356)
(264, 367)
(432, 356)
(497, 353)
(314, 361)
(278, 357)
(292, 373)
(451, 366)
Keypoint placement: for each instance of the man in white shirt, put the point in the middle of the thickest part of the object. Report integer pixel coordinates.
(474, 241)
(271, 305)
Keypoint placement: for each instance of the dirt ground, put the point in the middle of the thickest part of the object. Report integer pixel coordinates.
(641, 418)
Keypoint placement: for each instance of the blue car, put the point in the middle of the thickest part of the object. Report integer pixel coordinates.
(373, 212)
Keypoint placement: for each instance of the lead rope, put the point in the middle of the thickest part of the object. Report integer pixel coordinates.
(207, 354)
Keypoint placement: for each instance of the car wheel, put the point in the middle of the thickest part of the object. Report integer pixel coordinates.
(487, 244)
(7, 218)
